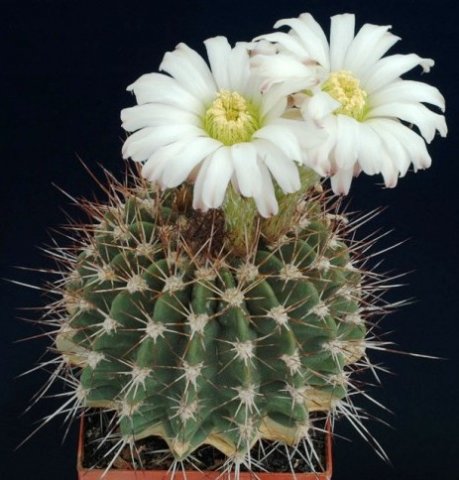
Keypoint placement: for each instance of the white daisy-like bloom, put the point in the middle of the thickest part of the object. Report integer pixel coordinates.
(212, 125)
(361, 101)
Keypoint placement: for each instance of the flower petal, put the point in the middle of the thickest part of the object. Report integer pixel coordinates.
(218, 51)
(379, 50)
(244, 156)
(413, 142)
(314, 26)
(191, 154)
(143, 143)
(392, 67)
(320, 105)
(347, 142)
(395, 150)
(370, 150)
(341, 35)
(216, 177)
(138, 145)
(198, 187)
(191, 72)
(239, 68)
(266, 200)
(308, 31)
(156, 87)
(152, 115)
(427, 121)
(275, 101)
(283, 137)
(284, 171)
(341, 181)
(389, 172)
(262, 47)
(361, 51)
(408, 91)
(158, 161)
(279, 67)
(319, 157)
(286, 42)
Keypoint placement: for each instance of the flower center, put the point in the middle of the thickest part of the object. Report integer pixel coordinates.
(231, 118)
(344, 87)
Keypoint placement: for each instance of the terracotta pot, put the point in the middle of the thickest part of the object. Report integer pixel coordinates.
(116, 474)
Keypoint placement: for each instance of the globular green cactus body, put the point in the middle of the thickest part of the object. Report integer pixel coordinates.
(196, 345)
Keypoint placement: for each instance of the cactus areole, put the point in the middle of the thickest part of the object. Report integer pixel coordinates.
(206, 328)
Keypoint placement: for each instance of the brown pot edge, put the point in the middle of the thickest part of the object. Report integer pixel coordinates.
(98, 474)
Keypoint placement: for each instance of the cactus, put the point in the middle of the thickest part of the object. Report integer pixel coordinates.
(164, 323)
(231, 307)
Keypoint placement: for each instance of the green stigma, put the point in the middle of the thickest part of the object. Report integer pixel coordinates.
(344, 87)
(231, 118)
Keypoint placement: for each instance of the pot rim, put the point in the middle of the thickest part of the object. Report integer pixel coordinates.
(119, 474)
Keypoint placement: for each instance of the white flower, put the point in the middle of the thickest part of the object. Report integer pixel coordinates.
(213, 125)
(360, 101)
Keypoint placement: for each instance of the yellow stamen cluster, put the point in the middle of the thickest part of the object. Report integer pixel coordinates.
(231, 118)
(344, 87)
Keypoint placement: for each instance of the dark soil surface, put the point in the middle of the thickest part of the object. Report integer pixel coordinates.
(152, 453)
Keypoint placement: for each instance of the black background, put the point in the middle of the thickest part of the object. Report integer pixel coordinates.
(64, 67)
